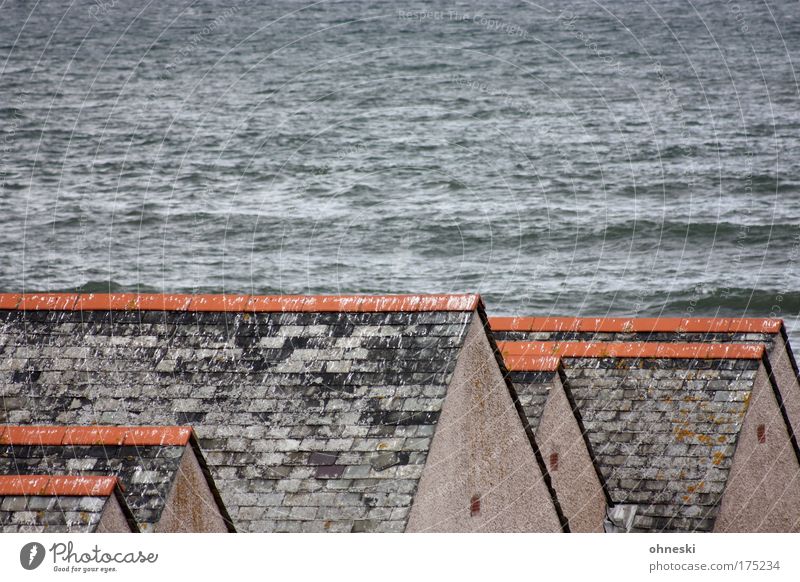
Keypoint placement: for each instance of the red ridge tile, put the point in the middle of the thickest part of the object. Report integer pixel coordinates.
(84, 486)
(23, 484)
(94, 435)
(66, 485)
(106, 302)
(162, 302)
(694, 351)
(259, 303)
(9, 300)
(32, 435)
(158, 436)
(531, 363)
(219, 302)
(636, 325)
(47, 301)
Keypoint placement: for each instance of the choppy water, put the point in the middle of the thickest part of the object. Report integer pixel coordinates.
(587, 158)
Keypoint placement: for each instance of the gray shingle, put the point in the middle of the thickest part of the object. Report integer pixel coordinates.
(264, 392)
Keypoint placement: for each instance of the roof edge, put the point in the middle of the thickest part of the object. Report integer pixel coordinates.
(21, 435)
(650, 350)
(637, 325)
(526, 426)
(55, 485)
(236, 303)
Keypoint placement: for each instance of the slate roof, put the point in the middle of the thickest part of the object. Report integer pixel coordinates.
(660, 330)
(145, 459)
(55, 504)
(314, 413)
(771, 333)
(533, 386)
(662, 419)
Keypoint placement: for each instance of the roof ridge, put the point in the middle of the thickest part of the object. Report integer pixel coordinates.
(51, 485)
(638, 325)
(532, 363)
(95, 435)
(236, 303)
(575, 349)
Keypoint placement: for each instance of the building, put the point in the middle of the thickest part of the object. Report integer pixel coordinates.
(771, 333)
(63, 504)
(555, 420)
(165, 480)
(326, 413)
(688, 437)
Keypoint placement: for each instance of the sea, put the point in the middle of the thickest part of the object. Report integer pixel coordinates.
(613, 158)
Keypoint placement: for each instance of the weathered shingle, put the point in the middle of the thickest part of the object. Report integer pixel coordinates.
(58, 504)
(663, 429)
(309, 420)
(146, 460)
(771, 333)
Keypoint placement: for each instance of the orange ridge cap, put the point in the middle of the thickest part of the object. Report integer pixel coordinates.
(95, 435)
(238, 303)
(32, 435)
(531, 363)
(690, 351)
(66, 485)
(47, 301)
(636, 325)
(9, 300)
(143, 436)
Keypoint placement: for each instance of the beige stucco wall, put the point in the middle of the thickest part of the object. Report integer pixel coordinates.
(191, 506)
(480, 448)
(113, 519)
(787, 382)
(576, 482)
(763, 489)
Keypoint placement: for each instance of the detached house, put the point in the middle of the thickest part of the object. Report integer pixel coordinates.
(161, 470)
(555, 420)
(688, 437)
(332, 413)
(771, 333)
(63, 504)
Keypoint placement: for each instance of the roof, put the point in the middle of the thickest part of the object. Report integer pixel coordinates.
(663, 427)
(54, 503)
(95, 435)
(63, 485)
(314, 414)
(145, 459)
(233, 303)
(636, 325)
(696, 351)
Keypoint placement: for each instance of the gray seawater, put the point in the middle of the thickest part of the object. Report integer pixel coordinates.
(620, 157)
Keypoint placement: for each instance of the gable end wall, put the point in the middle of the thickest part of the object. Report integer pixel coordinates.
(577, 484)
(481, 458)
(763, 490)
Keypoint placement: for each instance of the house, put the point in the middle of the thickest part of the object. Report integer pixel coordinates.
(164, 477)
(314, 413)
(771, 333)
(59, 504)
(688, 437)
(553, 417)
